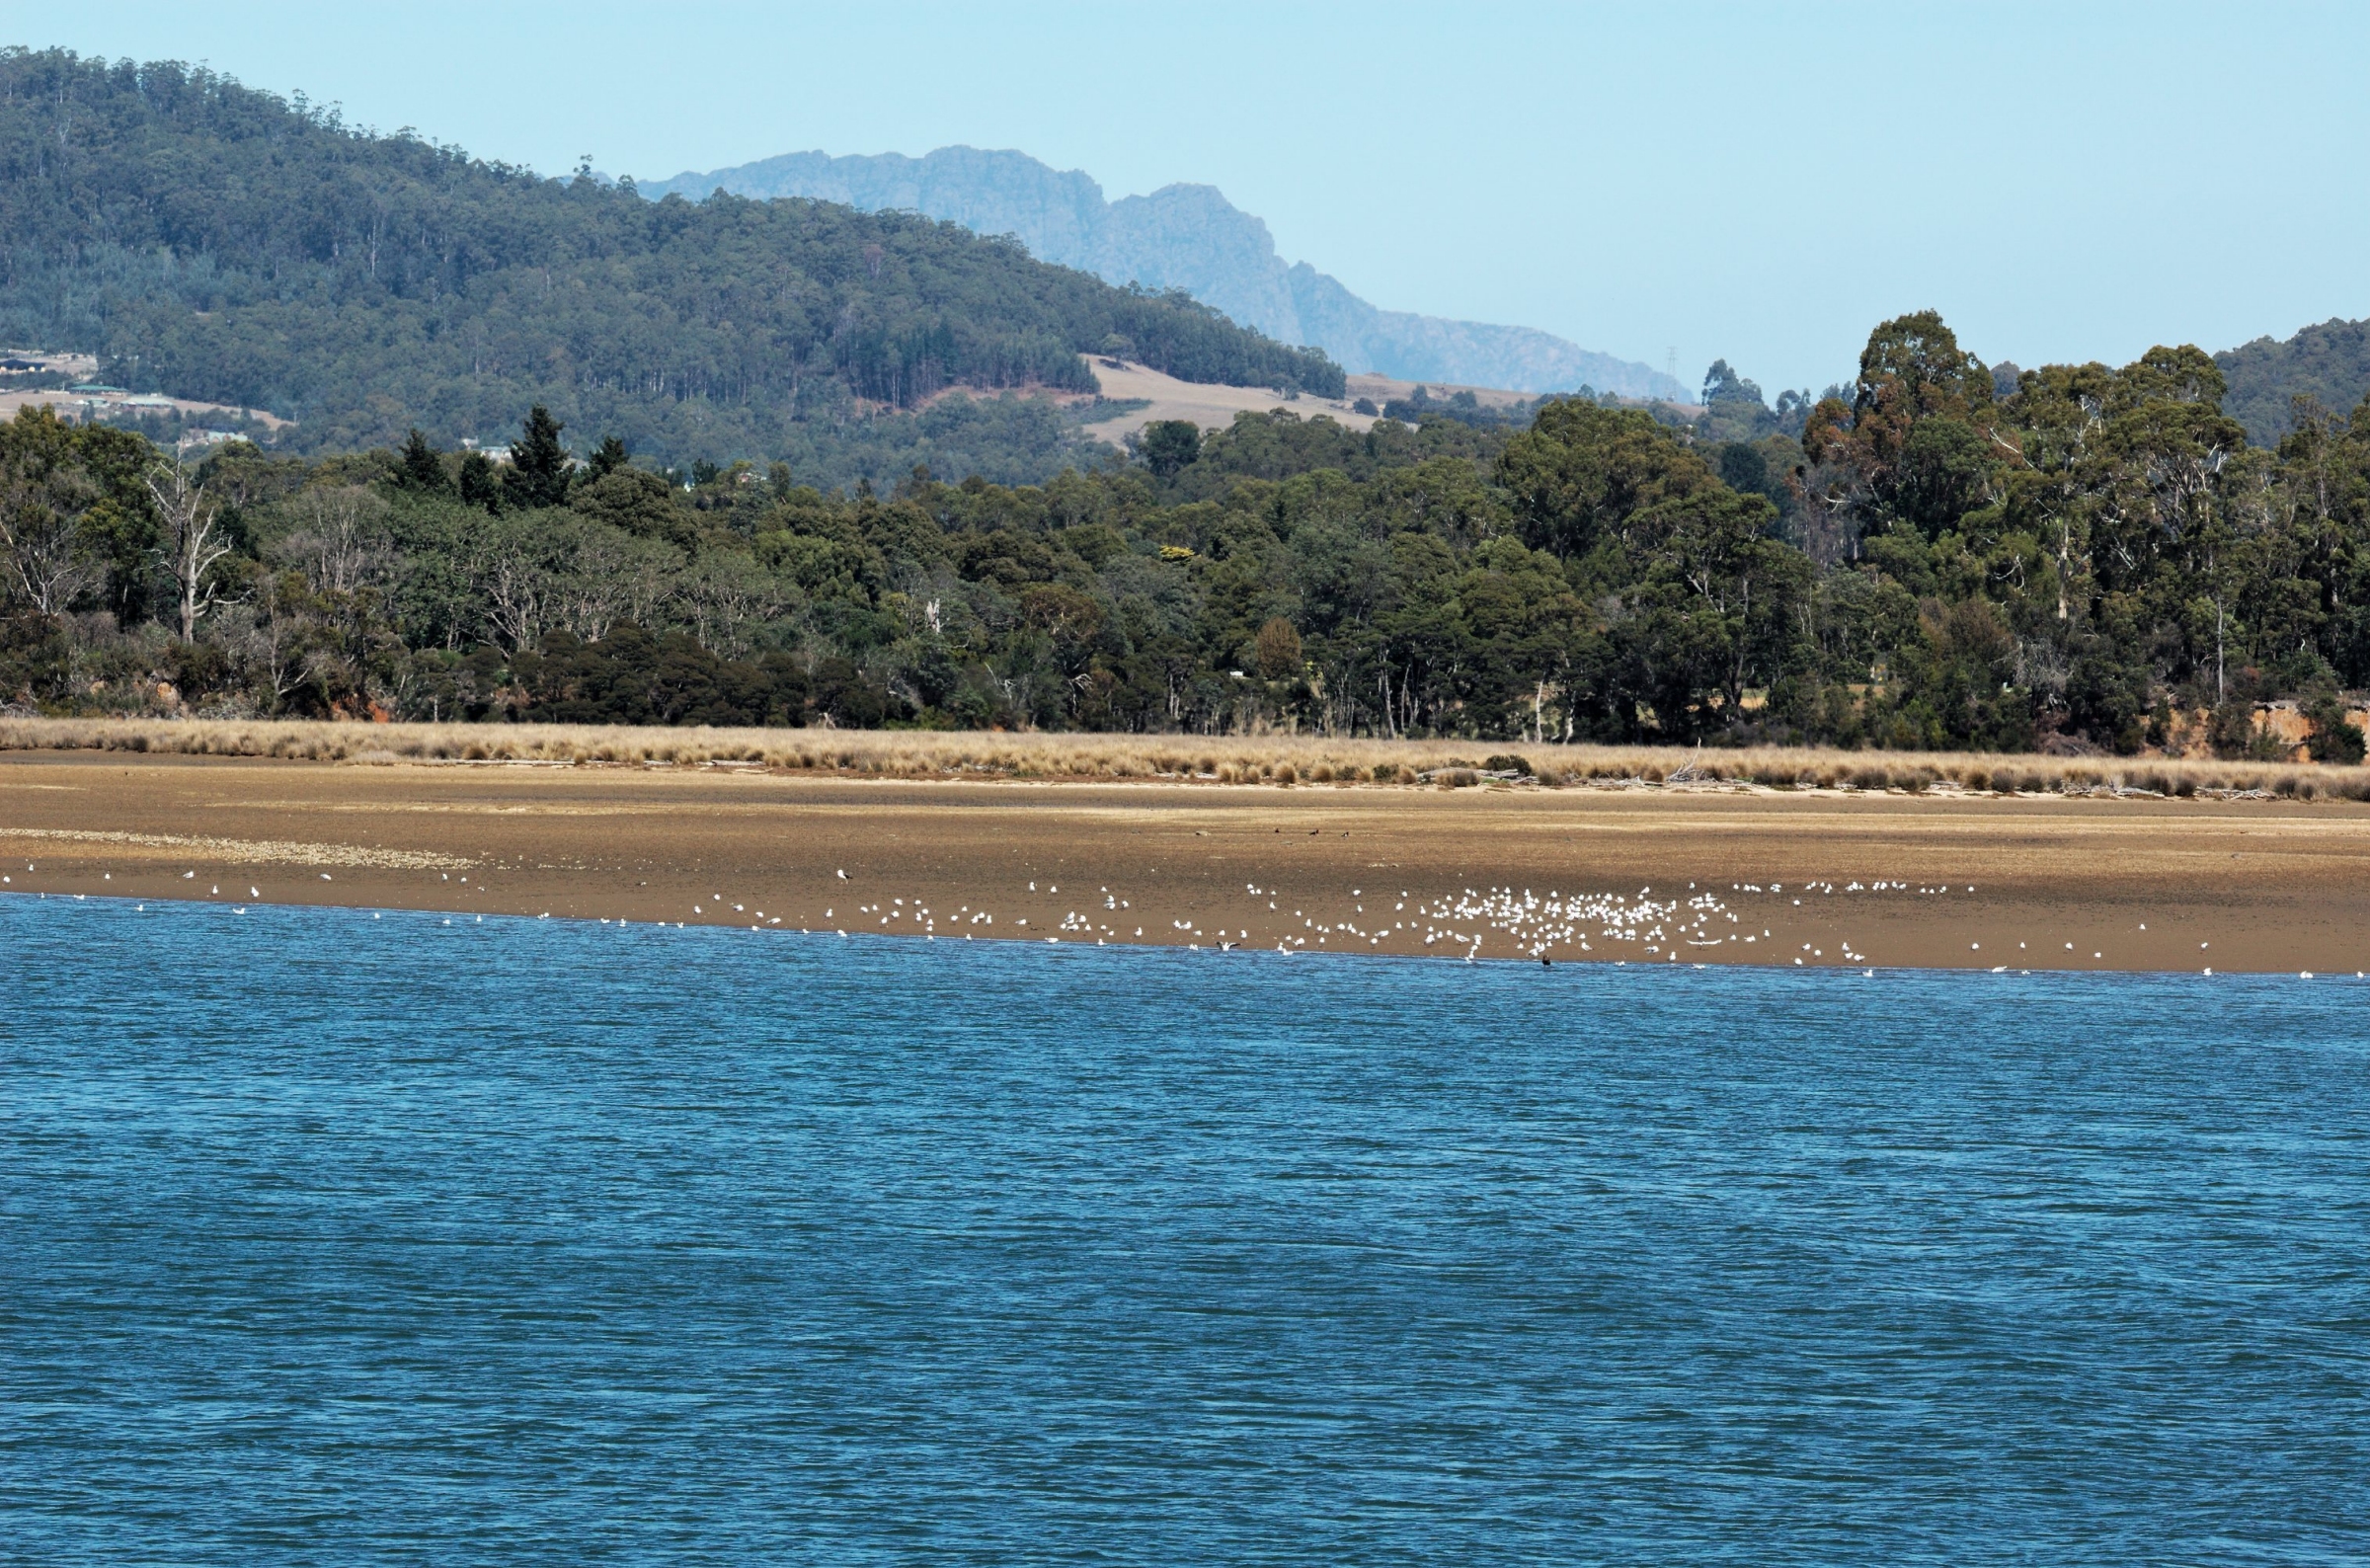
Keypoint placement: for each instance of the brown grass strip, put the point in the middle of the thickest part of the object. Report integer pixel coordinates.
(1303, 762)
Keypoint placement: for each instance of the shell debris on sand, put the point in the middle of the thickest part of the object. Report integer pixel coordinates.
(248, 851)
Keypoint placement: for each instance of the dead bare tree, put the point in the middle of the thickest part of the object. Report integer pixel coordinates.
(39, 513)
(285, 632)
(342, 547)
(193, 540)
(611, 577)
(724, 595)
(518, 592)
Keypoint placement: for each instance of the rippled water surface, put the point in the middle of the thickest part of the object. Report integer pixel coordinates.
(333, 1239)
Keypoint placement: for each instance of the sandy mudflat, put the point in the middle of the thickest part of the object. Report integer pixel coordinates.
(2269, 884)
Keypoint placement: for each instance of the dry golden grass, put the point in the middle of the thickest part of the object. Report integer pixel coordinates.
(1245, 760)
(1210, 407)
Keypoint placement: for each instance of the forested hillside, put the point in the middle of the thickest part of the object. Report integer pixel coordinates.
(217, 243)
(2329, 363)
(1942, 554)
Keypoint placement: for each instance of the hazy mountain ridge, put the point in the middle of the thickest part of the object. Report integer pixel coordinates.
(1189, 237)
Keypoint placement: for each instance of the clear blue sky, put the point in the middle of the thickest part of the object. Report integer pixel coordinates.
(1762, 183)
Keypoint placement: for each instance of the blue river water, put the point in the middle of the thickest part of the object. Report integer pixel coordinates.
(334, 1240)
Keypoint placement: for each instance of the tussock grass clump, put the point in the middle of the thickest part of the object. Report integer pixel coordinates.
(1272, 760)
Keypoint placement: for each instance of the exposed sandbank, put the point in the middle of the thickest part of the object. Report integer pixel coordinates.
(2261, 885)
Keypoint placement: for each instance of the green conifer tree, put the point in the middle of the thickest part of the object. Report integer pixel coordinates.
(538, 475)
(479, 485)
(422, 468)
(607, 459)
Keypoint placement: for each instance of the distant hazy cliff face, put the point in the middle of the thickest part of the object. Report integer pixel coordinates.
(1189, 237)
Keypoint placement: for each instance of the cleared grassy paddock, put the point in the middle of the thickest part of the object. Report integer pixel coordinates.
(1257, 760)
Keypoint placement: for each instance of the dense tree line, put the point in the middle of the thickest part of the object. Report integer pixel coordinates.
(218, 243)
(1942, 554)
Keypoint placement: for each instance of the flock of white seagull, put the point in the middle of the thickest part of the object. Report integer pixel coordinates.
(1674, 928)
